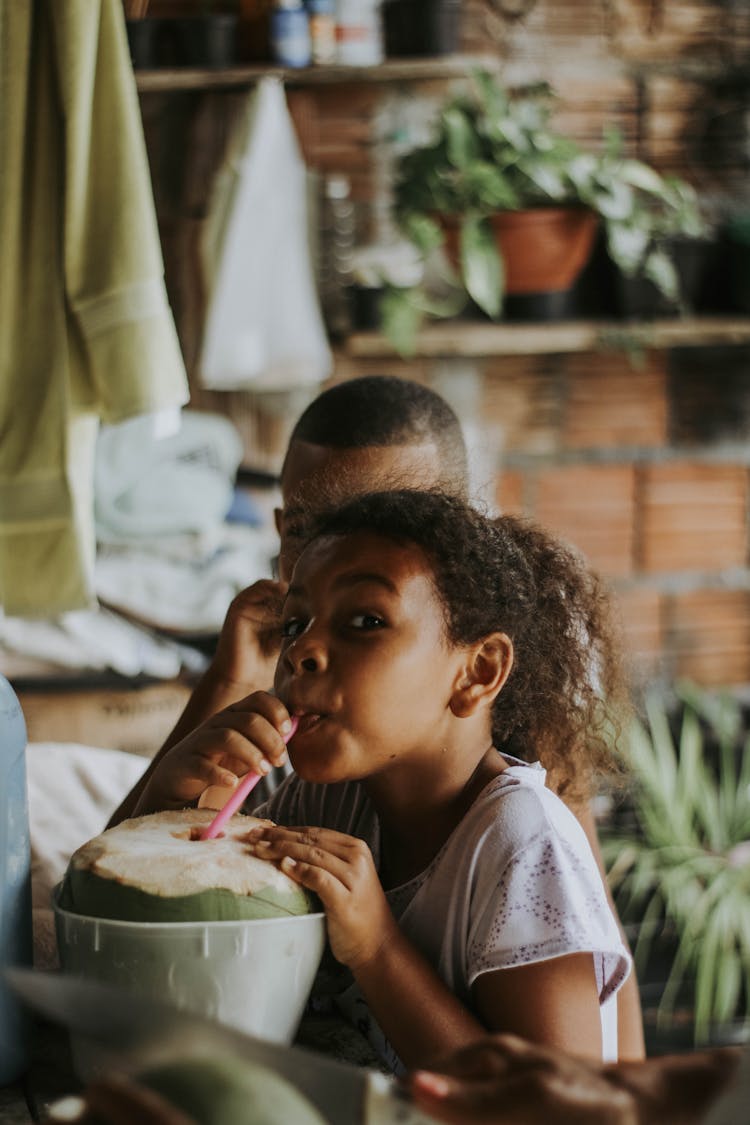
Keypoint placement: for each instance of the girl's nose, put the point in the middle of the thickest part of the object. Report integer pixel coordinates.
(306, 654)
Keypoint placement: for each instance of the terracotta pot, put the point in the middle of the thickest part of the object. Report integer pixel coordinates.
(544, 249)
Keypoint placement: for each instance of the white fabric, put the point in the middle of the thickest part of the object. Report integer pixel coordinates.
(72, 791)
(263, 326)
(184, 584)
(95, 639)
(148, 482)
(515, 883)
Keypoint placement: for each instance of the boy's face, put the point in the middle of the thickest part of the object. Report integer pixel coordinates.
(321, 475)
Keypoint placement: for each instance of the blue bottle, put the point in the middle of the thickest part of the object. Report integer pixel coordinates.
(290, 34)
(15, 881)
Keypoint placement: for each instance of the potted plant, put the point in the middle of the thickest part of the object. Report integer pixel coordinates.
(506, 197)
(680, 873)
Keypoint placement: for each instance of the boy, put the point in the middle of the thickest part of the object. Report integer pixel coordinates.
(370, 433)
(375, 432)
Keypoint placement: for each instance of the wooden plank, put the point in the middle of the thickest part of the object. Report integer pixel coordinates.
(392, 70)
(475, 339)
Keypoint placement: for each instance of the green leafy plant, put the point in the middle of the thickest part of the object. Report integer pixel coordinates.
(688, 867)
(494, 150)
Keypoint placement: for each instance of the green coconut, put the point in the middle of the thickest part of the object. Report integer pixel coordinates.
(230, 1091)
(157, 869)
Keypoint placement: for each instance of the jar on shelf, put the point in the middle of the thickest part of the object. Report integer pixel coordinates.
(359, 33)
(322, 15)
(290, 34)
(255, 30)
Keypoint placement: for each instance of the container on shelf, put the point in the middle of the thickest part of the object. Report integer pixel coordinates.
(421, 27)
(322, 15)
(737, 238)
(199, 41)
(15, 882)
(142, 42)
(359, 33)
(338, 236)
(254, 36)
(290, 34)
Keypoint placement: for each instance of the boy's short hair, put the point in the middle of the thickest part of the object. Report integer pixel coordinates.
(383, 410)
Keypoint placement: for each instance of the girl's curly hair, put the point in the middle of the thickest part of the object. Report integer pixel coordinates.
(565, 692)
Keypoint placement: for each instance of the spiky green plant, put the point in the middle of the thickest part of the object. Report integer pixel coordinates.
(689, 866)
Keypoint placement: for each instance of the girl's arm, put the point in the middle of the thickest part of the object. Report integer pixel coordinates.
(420, 1017)
(554, 1002)
(630, 1041)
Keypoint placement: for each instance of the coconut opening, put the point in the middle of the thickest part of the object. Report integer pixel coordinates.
(196, 834)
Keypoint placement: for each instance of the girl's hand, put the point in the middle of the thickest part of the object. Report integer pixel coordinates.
(341, 872)
(244, 737)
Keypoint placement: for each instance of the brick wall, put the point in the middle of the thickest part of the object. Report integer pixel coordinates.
(646, 473)
(643, 466)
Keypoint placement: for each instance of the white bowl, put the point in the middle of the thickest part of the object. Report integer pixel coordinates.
(253, 975)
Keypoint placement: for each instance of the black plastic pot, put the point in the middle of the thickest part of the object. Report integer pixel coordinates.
(559, 305)
(142, 42)
(737, 243)
(638, 298)
(364, 304)
(198, 41)
(421, 27)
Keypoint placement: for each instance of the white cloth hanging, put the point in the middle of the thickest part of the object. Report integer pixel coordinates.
(263, 327)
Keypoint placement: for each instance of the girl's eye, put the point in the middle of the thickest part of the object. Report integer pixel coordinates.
(292, 628)
(367, 621)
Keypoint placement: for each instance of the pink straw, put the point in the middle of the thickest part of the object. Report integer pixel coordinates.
(248, 783)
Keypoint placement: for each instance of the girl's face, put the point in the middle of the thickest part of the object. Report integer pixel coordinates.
(365, 662)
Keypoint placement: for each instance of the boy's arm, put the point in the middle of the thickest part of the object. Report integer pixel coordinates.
(244, 662)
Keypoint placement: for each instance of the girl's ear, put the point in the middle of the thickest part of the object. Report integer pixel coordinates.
(487, 667)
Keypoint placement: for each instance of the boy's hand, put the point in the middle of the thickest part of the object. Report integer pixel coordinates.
(248, 736)
(250, 637)
(503, 1080)
(341, 872)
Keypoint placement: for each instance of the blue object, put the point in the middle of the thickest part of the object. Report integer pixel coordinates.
(290, 34)
(243, 509)
(15, 882)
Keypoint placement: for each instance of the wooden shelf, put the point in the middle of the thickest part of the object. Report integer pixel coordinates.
(392, 70)
(476, 338)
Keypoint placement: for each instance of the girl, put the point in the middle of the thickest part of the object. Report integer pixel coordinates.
(426, 650)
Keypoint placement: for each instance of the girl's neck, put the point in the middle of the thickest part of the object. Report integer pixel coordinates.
(416, 822)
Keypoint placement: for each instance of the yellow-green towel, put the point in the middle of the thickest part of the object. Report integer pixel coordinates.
(86, 331)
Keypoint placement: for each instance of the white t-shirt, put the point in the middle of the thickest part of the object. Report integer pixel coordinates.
(516, 882)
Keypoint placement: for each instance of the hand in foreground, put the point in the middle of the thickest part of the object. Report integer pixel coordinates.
(250, 638)
(248, 735)
(503, 1080)
(118, 1101)
(341, 871)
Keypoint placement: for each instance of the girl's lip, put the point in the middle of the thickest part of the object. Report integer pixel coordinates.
(307, 720)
